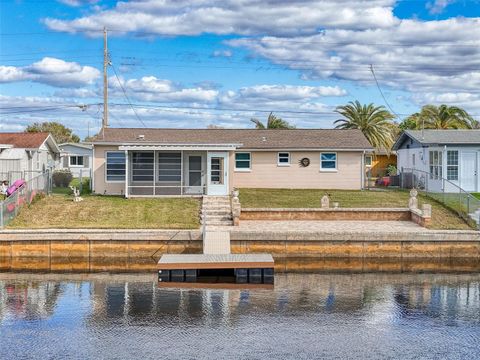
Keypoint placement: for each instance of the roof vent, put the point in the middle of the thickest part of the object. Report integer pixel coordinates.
(141, 137)
(264, 138)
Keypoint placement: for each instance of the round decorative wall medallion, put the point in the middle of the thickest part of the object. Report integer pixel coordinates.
(304, 162)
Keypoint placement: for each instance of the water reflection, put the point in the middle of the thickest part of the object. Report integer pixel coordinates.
(305, 316)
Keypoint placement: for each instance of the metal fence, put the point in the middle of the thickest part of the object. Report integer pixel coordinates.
(380, 178)
(12, 176)
(11, 206)
(444, 191)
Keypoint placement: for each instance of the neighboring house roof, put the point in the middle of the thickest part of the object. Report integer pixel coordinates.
(440, 137)
(80, 145)
(246, 138)
(25, 140)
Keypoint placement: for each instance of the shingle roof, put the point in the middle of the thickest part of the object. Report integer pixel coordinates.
(248, 138)
(442, 137)
(24, 140)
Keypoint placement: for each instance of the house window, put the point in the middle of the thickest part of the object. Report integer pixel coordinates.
(115, 167)
(368, 160)
(170, 167)
(38, 160)
(452, 165)
(75, 160)
(413, 161)
(242, 161)
(328, 161)
(435, 164)
(142, 166)
(283, 159)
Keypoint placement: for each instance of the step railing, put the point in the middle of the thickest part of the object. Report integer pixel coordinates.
(444, 191)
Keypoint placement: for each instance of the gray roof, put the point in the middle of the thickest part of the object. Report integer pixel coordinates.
(246, 138)
(440, 137)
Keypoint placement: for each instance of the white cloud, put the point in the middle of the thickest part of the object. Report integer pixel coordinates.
(76, 3)
(246, 17)
(222, 53)
(150, 88)
(438, 6)
(51, 71)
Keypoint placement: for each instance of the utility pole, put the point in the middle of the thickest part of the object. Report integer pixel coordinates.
(106, 61)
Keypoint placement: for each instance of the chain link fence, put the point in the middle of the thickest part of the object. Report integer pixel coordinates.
(444, 191)
(25, 195)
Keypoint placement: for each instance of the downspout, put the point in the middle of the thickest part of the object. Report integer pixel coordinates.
(92, 171)
(362, 175)
(127, 174)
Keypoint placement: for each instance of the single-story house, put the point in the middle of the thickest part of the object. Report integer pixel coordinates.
(453, 155)
(76, 157)
(156, 162)
(25, 155)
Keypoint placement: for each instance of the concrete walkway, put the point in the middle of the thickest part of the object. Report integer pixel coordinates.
(323, 226)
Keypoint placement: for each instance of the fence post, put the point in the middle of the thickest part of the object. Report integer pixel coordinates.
(81, 185)
(2, 223)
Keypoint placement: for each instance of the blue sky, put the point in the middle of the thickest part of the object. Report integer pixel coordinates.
(211, 62)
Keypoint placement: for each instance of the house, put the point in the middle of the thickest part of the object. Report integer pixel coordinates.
(156, 162)
(24, 155)
(453, 155)
(76, 157)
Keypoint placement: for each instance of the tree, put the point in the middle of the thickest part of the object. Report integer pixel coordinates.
(60, 132)
(273, 122)
(442, 117)
(375, 122)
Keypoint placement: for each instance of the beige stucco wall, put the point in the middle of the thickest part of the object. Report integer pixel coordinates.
(100, 186)
(265, 173)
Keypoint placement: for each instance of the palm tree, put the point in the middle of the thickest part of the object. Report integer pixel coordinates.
(442, 117)
(375, 122)
(273, 122)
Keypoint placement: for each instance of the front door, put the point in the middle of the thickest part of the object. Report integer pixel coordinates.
(195, 175)
(217, 164)
(468, 178)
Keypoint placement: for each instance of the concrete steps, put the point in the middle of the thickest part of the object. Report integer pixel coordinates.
(216, 211)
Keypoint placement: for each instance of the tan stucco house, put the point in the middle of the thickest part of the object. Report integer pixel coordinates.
(172, 162)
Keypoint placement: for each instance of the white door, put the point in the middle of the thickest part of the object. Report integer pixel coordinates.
(468, 179)
(217, 173)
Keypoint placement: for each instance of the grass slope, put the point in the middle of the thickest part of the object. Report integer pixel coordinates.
(109, 212)
(442, 218)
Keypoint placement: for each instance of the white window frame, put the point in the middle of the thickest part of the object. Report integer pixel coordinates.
(283, 163)
(435, 168)
(126, 169)
(70, 161)
(371, 160)
(336, 162)
(249, 162)
(457, 166)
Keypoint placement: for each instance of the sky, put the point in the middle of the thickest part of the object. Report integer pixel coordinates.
(197, 63)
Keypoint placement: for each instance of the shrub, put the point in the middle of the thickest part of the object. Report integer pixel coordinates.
(391, 170)
(85, 185)
(62, 178)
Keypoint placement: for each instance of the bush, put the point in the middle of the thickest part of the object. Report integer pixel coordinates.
(85, 185)
(62, 178)
(391, 170)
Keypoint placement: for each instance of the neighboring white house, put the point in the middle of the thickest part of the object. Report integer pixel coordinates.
(77, 158)
(453, 155)
(25, 155)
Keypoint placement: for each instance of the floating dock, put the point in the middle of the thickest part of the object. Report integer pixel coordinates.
(242, 268)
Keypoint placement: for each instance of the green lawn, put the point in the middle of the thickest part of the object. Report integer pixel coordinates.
(442, 218)
(109, 212)
(477, 195)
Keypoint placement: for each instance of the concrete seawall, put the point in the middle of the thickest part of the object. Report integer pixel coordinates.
(151, 244)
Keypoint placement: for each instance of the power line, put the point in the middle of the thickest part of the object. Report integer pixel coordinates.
(381, 92)
(126, 96)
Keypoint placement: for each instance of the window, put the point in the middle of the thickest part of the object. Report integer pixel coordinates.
(283, 159)
(75, 160)
(413, 161)
(452, 165)
(328, 161)
(368, 160)
(142, 166)
(170, 167)
(435, 164)
(242, 161)
(115, 167)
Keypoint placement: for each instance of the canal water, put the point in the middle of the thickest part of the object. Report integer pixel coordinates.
(305, 316)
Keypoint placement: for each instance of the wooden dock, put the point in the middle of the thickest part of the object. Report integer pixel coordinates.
(243, 268)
